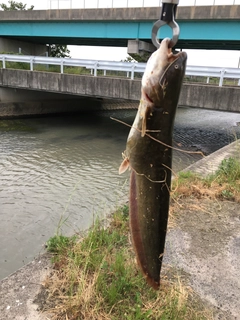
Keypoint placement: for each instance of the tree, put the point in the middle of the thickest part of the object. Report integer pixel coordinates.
(133, 57)
(13, 5)
(59, 51)
(140, 57)
(55, 50)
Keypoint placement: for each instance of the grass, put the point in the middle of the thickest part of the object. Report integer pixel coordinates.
(224, 184)
(212, 80)
(96, 277)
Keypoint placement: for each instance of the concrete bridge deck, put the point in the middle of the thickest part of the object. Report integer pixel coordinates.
(209, 27)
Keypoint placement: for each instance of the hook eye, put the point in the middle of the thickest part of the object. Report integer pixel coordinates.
(175, 28)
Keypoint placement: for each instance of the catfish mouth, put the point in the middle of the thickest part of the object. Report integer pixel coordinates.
(154, 80)
(172, 58)
(147, 98)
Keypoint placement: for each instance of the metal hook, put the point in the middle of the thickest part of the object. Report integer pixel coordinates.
(175, 28)
(169, 8)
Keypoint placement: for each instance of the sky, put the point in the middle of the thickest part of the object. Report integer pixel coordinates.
(195, 57)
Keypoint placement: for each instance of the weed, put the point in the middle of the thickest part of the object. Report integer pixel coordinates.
(59, 243)
(96, 277)
(223, 184)
(229, 170)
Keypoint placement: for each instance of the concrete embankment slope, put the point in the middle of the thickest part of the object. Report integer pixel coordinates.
(209, 164)
(17, 292)
(205, 244)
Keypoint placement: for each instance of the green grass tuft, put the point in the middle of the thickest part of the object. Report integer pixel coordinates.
(59, 244)
(96, 277)
(223, 184)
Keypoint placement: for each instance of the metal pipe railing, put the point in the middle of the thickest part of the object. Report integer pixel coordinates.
(130, 68)
(85, 4)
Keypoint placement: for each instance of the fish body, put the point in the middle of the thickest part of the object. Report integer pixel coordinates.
(149, 157)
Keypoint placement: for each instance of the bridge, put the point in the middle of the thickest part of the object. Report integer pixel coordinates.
(23, 92)
(202, 27)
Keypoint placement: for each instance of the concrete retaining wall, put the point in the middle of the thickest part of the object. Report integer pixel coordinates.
(42, 86)
(210, 97)
(100, 87)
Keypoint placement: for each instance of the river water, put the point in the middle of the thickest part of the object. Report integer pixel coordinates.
(59, 173)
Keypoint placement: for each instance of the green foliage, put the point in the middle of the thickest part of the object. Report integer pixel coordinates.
(223, 184)
(56, 50)
(125, 210)
(59, 244)
(133, 57)
(187, 175)
(228, 176)
(229, 170)
(140, 57)
(97, 278)
(18, 65)
(13, 5)
(227, 194)
(59, 51)
(76, 70)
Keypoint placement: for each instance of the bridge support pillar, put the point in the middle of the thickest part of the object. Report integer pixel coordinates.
(140, 47)
(17, 46)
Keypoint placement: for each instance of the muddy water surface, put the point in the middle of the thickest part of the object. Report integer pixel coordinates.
(58, 173)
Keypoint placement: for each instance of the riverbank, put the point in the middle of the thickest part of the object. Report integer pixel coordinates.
(47, 162)
(204, 244)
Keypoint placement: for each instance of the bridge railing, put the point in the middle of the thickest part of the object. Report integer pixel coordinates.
(85, 4)
(130, 68)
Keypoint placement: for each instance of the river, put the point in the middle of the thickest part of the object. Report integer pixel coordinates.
(58, 173)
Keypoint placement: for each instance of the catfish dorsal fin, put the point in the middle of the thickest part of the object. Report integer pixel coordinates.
(124, 166)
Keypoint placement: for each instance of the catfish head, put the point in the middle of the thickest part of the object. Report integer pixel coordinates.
(161, 85)
(163, 76)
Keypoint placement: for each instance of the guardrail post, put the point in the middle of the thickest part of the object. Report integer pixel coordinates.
(127, 74)
(104, 72)
(95, 69)
(132, 72)
(239, 82)
(4, 63)
(221, 78)
(31, 64)
(61, 65)
(208, 79)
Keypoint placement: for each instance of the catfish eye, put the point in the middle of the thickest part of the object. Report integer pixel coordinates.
(176, 66)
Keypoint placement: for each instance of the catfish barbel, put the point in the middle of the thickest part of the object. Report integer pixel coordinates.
(149, 157)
